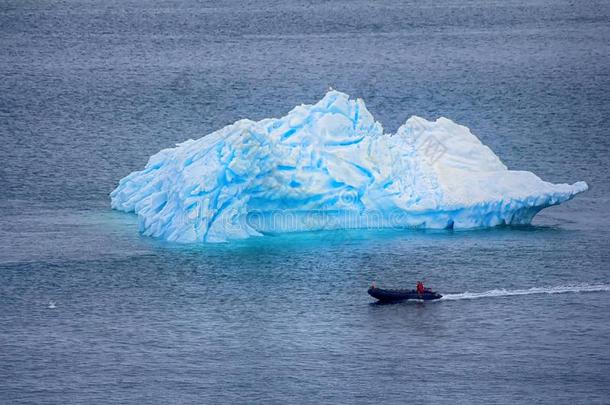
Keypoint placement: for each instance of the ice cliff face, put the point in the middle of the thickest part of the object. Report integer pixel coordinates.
(328, 166)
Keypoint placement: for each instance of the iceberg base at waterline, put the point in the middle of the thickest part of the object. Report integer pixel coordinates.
(330, 166)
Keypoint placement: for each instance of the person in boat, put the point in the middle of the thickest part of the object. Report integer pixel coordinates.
(420, 288)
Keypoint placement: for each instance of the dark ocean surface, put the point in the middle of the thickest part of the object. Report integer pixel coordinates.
(93, 313)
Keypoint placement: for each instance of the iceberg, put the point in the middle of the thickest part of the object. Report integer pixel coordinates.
(329, 166)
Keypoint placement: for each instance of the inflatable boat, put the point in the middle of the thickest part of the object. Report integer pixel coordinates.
(384, 295)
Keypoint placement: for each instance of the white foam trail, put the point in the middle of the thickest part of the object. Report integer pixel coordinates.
(535, 290)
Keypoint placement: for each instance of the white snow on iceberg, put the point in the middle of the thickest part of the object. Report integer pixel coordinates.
(330, 166)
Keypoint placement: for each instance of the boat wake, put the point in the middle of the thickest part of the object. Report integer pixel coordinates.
(581, 288)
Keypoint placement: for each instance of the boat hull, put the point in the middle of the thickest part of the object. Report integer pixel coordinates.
(384, 295)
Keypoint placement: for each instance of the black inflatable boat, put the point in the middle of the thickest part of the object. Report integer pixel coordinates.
(401, 295)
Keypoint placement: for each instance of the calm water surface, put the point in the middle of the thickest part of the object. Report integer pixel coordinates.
(91, 312)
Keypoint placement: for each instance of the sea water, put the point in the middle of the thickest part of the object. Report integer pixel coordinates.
(92, 312)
